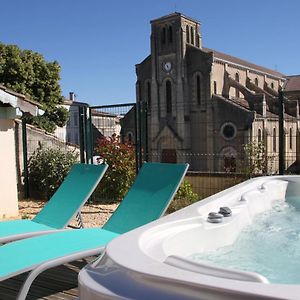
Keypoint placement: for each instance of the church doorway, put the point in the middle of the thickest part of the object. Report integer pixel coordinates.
(169, 156)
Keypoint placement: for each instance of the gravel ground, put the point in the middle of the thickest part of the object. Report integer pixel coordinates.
(93, 214)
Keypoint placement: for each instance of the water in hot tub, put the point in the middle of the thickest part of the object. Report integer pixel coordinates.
(270, 246)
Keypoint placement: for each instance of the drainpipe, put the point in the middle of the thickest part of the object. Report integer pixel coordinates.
(25, 159)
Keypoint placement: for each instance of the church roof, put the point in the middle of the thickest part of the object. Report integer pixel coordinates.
(293, 83)
(243, 104)
(238, 61)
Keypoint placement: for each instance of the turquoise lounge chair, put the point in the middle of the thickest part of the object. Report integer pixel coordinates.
(148, 198)
(61, 208)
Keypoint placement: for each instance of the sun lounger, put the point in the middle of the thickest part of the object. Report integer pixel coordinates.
(148, 198)
(66, 202)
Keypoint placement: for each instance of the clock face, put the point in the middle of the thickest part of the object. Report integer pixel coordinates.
(167, 66)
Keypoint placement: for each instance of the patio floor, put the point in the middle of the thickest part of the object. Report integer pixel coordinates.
(57, 283)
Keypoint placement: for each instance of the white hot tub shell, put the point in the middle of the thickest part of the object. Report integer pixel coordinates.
(150, 262)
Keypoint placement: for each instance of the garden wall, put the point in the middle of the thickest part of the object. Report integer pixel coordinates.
(36, 138)
(206, 184)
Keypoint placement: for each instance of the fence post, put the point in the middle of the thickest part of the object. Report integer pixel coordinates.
(138, 146)
(88, 135)
(25, 159)
(145, 134)
(81, 134)
(281, 131)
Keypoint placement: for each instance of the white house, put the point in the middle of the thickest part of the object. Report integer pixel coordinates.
(12, 106)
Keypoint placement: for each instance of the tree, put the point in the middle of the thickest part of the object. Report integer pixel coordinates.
(28, 73)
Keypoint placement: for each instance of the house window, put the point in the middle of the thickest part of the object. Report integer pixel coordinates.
(237, 79)
(187, 34)
(75, 116)
(129, 137)
(274, 139)
(215, 87)
(291, 138)
(259, 136)
(170, 34)
(169, 97)
(272, 85)
(256, 81)
(198, 89)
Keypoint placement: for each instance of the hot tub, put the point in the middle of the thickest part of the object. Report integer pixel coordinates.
(156, 261)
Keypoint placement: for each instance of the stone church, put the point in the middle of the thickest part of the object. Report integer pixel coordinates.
(203, 106)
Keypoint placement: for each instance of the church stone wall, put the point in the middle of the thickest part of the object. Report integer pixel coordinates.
(217, 75)
(194, 128)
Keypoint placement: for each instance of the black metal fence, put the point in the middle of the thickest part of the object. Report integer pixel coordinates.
(217, 163)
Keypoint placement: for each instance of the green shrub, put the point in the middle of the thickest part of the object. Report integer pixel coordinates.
(120, 174)
(184, 197)
(47, 169)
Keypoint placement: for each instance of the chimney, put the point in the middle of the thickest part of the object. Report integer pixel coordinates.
(72, 96)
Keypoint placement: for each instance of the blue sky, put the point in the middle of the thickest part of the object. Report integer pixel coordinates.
(97, 42)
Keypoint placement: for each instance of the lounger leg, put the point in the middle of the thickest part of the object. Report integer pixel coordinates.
(79, 220)
(28, 282)
(51, 264)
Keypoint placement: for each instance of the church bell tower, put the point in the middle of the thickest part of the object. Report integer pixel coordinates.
(163, 83)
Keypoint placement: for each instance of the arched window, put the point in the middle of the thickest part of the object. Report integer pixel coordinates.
(291, 138)
(215, 87)
(237, 79)
(256, 81)
(149, 94)
(259, 136)
(187, 30)
(163, 36)
(169, 97)
(197, 40)
(198, 89)
(170, 34)
(192, 35)
(274, 139)
(272, 85)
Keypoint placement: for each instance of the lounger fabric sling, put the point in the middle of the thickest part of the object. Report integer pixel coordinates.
(148, 198)
(75, 190)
